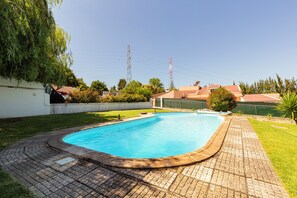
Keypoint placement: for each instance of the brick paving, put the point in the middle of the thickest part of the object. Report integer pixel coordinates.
(240, 169)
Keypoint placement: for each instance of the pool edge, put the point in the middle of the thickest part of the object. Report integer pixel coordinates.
(213, 145)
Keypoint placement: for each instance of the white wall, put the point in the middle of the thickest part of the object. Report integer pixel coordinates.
(82, 107)
(22, 99)
(29, 99)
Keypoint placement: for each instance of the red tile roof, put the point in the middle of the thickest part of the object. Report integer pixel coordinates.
(261, 98)
(64, 90)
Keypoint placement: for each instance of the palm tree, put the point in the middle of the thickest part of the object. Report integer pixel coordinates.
(288, 105)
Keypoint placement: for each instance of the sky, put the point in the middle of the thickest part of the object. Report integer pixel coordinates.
(211, 41)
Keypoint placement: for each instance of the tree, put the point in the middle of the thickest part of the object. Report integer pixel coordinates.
(279, 85)
(122, 84)
(81, 84)
(32, 46)
(288, 105)
(135, 87)
(99, 86)
(71, 79)
(270, 85)
(221, 100)
(156, 85)
(147, 93)
(113, 89)
(132, 87)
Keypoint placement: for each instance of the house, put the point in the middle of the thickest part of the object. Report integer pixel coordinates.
(199, 93)
(64, 90)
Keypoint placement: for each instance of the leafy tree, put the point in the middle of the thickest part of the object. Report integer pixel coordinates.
(122, 84)
(279, 85)
(71, 79)
(135, 87)
(147, 93)
(99, 86)
(221, 100)
(113, 89)
(32, 46)
(288, 105)
(156, 85)
(270, 85)
(81, 84)
(132, 87)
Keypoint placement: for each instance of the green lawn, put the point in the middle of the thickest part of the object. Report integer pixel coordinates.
(13, 130)
(280, 143)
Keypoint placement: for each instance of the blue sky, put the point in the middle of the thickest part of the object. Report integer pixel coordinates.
(212, 41)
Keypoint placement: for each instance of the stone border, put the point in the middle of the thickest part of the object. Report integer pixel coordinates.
(211, 148)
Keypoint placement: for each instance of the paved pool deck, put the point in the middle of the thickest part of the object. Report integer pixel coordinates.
(240, 169)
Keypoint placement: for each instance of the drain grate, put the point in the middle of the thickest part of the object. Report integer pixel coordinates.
(65, 161)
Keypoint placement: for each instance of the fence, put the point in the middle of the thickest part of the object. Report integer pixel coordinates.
(253, 108)
(83, 107)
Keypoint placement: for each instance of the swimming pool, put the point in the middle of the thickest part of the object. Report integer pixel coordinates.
(163, 135)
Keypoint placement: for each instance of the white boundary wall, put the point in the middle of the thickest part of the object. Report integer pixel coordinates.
(22, 99)
(29, 99)
(82, 107)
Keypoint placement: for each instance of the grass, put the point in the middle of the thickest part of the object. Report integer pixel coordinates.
(280, 143)
(13, 130)
(9, 187)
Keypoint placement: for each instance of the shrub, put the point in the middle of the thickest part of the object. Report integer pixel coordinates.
(86, 96)
(221, 100)
(124, 98)
(288, 105)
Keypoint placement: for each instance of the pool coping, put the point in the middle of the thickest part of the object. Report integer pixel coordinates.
(213, 145)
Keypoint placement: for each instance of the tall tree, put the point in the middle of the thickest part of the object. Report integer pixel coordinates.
(156, 85)
(132, 87)
(279, 85)
(32, 46)
(71, 79)
(113, 89)
(270, 85)
(81, 84)
(99, 86)
(122, 84)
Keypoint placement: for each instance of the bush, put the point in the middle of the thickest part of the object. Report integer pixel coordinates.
(221, 100)
(124, 98)
(86, 96)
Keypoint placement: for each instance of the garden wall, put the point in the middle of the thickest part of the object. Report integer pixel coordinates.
(22, 99)
(19, 99)
(82, 107)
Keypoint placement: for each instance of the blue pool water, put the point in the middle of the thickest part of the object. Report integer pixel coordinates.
(165, 134)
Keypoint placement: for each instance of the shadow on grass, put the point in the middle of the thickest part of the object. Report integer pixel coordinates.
(15, 129)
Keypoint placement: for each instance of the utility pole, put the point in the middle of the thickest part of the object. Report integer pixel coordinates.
(129, 73)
